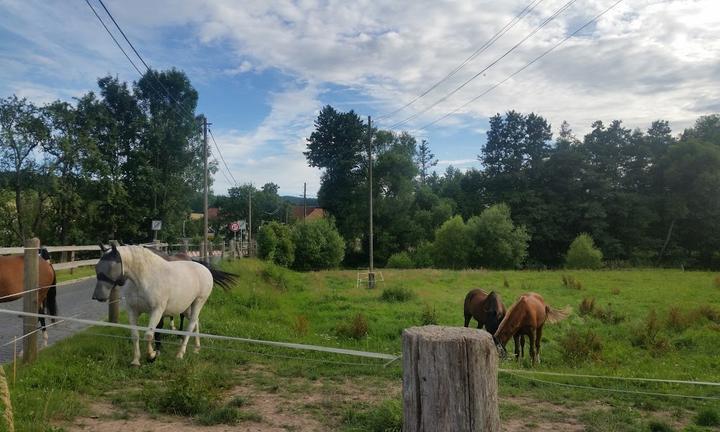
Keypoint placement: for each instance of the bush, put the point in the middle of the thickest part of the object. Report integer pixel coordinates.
(355, 329)
(300, 325)
(397, 294)
(422, 256)
(608, 315)
(709, 312)
(570, 282)
(648, 335)
(400, 260)
(275, 243)
(318, 245)
(587, 305)
(428, 316)
(708, 417)
(577, 346)
(677, 320)
(452, 244)
(497, 242)
(583, 254)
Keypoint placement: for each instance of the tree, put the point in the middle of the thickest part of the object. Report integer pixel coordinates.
(318, 245)
(497, 242)
(424, 159)
(275, 243)
(583, 254)
(453, 245)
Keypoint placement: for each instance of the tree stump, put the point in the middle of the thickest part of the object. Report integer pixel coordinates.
(449, 380)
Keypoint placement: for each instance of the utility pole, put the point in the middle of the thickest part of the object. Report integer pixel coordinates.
(371, 270)
(250, 248)
(204, 246)
(304, 201)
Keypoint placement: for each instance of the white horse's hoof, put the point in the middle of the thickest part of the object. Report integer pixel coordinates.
(135, 365)
(196, 350)
(153, 357)
(180, 355)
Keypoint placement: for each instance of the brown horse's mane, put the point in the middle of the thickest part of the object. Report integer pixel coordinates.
(504, 333)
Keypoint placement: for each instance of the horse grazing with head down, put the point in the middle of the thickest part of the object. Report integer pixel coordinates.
(487, 309)
(526, 317)
(12, 275)
(159, 287)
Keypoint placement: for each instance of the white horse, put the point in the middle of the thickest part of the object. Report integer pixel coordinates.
(159, 287)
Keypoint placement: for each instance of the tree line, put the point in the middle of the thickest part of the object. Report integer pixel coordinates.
(108, 163)
(645, 197)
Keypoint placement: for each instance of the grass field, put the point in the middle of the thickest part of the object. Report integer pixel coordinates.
(80, 272)
(642, 323)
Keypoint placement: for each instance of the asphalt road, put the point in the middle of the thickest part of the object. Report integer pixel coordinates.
(73, 299)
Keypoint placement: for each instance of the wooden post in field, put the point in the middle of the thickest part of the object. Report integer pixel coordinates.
(114, 300)
(185, 245)
(233, 255)
(449, 380)
(30, 299)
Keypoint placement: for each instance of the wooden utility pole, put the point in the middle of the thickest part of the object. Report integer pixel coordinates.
(30, 299)
(203, 248)
(250, 248)
(371, 269)
(449, 380)
(304, 201)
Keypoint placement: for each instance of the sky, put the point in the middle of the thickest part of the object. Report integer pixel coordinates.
(264, 69)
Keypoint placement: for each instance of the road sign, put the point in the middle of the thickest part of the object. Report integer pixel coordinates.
(243, 225)
(156, 225)
(234, 226)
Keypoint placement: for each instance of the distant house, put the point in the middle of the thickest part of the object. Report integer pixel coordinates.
(212, 214)
(311, 213)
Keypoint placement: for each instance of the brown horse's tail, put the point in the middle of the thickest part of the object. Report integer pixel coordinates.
(556, 315)
(51, 299)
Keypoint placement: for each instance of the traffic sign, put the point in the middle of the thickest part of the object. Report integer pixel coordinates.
(234, 226)
(156, 225)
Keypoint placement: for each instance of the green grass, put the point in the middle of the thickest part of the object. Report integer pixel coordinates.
(77, 273)
(274, 303)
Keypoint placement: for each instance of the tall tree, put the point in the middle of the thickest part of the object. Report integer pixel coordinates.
(425, 160)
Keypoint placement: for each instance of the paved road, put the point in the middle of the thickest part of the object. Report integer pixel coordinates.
(73, 299)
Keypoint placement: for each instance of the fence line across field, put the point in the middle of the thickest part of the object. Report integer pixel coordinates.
(609, 390)
(79, 248)
(291, 345)
(59, 284)
(610, 377)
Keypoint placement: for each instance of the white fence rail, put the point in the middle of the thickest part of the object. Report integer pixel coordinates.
(71, 263)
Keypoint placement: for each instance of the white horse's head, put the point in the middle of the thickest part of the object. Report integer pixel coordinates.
(109, 272)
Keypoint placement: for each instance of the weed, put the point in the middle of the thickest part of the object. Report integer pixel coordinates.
(300, 325)
(397, 294)
(608, 315)
(238, 401)
(506, 284)
(648, 335)
(570, 282)
(615, 291)
(185, 395)
(677, 320)
(577, 346)
(222, 415)
(709, 312)
(355, 329)
(716, 281)
(429, 315)
(708, 417)
(587, 305)
(659, 426)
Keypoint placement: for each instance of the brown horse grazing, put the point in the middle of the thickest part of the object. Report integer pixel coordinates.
(526, 317)
(12, 275)
(487, 309)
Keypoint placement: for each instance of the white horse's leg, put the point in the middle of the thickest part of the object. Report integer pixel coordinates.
(172, 323)
(154, 319)
(194, 315)
(197, 338)
(132, 320)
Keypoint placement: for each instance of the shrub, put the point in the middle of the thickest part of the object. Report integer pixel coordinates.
(300, 325)
(570, 282)
(506, 284)
(648, 335)
(659, 426)
(677, 320)
(452, 244)
(716, 281)
(577, 346)
(400, 260)
(422, 256)
(615, 291)
(318, 245)
(187, 395)
(497, 242)
(275, 243)
(583, 254)
(709, 312)
(708, 417)
(608, 315)
(397, 294)
(355, 329)
(587, 305)
(222, 415)
(428, 315)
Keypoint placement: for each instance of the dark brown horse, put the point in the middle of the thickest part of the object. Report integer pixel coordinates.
(487, 309)
(12, 274)
(526, 317)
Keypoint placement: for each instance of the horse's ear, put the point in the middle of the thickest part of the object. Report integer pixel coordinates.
(113, 245)
(102, 247)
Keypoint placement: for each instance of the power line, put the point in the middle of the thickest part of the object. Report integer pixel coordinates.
(546, 52)
(222, 157)
(113, 37)
(562, 9)
(508, 26)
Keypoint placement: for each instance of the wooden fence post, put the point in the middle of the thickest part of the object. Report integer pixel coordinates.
(30, 299)
(114, 300)
(185, 245)
(449, 380)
